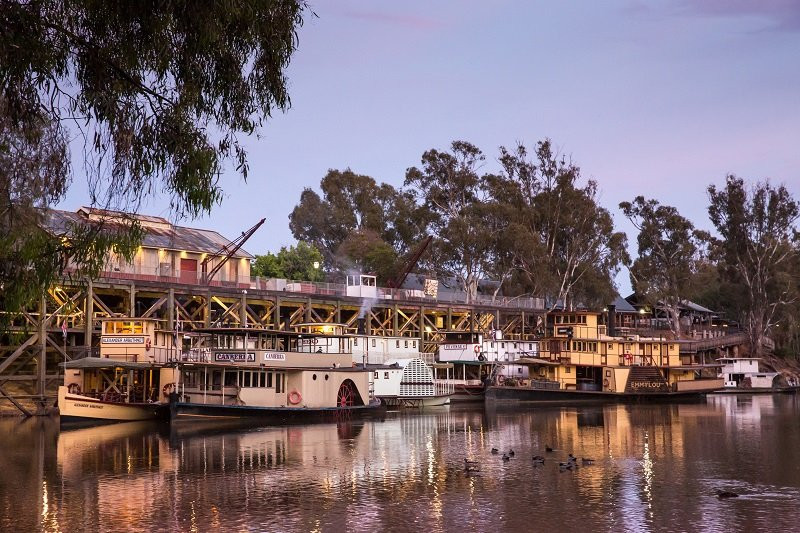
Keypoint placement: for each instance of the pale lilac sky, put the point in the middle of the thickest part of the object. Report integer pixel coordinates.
(659, 98)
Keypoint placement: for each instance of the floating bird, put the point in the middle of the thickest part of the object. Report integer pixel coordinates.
(566, 466)
(538, 460)
(506, 457)
(471, 466)
(722, 494)
(511, 453)
(495, 451)
(547, 448)
(586, 461)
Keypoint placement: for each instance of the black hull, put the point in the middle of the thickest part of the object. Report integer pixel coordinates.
(180, 411)
(564, 397)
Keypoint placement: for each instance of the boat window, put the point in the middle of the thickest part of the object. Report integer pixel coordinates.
(375, 375)
(373, 343)
(230, 379)
(406, 344)
(385, 375)
(278, 383)
(414, 344)
(246, 379)
(263, 378)
(190, 380)
(515, 345)
(397, 344)
(491, 345)
(530, 346)
(269, 380)
(567, 369)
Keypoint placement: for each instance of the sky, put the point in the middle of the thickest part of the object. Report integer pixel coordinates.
(658, 98)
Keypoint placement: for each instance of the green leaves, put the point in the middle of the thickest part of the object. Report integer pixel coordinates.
(759, 249)
(158, 92)
(295, 262)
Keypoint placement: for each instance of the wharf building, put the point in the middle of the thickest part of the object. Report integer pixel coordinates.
(183, 279)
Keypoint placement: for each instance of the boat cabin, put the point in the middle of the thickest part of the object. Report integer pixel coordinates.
(743, 372)
(135, 340)
(130, 364)
(461, 346)
(378, 350)
(362, 286)
(309, 367)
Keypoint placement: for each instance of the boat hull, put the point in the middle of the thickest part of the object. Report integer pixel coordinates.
(183, 411)
(560, 396)
(78, 409)
(467, 393)
(425, 401)
(765, 390)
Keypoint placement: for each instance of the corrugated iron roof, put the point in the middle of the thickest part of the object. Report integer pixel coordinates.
(158, 232)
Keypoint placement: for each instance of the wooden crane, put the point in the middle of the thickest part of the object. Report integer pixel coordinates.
(397, 281)
(226, 252)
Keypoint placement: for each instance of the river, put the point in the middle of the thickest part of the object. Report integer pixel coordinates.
(656, 468)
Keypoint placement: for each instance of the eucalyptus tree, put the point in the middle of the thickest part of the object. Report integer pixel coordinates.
(358, 224)
(759, 242)
(449, 185)
(301, 262)
(669, 255)
(159, 95)
(562, 242)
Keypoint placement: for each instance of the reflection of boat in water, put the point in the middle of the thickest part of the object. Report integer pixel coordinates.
(123, 383)
(273, 376)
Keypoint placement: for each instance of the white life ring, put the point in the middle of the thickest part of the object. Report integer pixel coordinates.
(477, 349)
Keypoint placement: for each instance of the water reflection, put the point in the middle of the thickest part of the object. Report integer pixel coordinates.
(656, 468)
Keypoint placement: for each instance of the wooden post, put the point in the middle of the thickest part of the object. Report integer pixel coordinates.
(243, 309)
(89, 326)
(171, 310)
(276, 313)
(207, 310)
(42, 360)
(132, 301)
(395, 321)
(421, 324)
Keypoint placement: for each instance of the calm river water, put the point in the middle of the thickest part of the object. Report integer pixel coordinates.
(656, 469)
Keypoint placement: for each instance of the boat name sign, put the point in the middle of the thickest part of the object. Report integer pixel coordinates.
(274, 356)
(235, 357)
(122, 340)
(454, 346)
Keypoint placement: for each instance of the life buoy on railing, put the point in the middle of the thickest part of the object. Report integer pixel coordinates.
(295, 398)
(605, 383)
(477, 349)
(148, 344)
(167, 389)
(74, 388)
(628, 358)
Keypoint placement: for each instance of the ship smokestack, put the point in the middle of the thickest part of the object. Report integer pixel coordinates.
(362, 328)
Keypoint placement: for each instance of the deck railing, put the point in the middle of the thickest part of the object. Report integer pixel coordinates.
(193, 277)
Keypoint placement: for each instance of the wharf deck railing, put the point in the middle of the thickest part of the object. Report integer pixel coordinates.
(193, 277)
